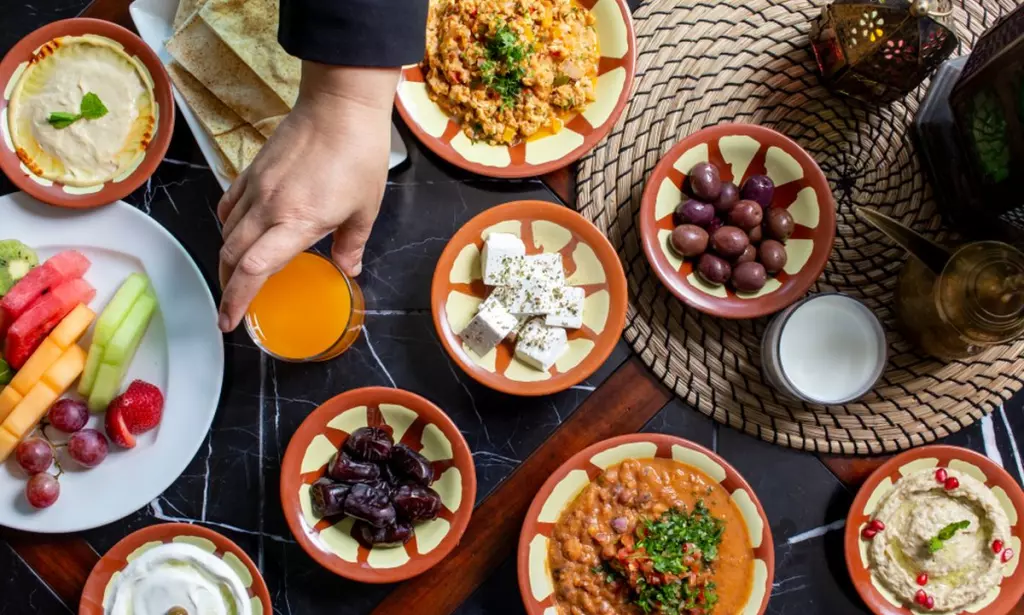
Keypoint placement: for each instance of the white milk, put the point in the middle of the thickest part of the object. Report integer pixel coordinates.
(830, 349)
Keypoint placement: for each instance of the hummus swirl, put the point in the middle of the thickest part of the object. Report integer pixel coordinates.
(965, 568)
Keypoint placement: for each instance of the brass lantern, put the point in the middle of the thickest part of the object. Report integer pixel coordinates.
(880, 50)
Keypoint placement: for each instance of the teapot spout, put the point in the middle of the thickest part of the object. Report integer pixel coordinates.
(927, 251)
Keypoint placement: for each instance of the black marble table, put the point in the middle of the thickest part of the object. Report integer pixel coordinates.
(231, 485)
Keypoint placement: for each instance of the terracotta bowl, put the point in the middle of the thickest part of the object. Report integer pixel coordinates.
(137, 543)
(536, 583)
(66, 196)
(590, 261)
(739, 151)
(411, 420)
(435, 129)
(1006, 490)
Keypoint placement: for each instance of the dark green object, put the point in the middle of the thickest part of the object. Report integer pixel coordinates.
(91, 108)
(6, 373)
(939, 540)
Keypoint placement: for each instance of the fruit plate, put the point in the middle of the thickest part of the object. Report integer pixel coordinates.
(589, 261)
(137, 543)
(881, 481)
(411, 420)
(536, 580)
(739, 151)
(13, 66)
(182, 354)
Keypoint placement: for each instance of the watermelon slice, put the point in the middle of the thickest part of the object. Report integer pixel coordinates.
(65, 266)
(38, 321)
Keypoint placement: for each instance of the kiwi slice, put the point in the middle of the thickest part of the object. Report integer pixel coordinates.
(16, 260)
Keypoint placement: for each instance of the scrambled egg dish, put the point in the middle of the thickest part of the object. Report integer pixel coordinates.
(508, 69)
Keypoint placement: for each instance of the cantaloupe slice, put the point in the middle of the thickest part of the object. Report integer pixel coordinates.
(9, 399)
(8, 442)
(31, 409)
(40, 361)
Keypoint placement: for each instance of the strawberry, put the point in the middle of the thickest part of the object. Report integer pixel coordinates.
(117, 430)
(141, 406)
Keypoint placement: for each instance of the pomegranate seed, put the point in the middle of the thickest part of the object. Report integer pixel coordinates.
(868, 533)
(997, 545)
(920, 597)
(922, 579)
(941, 475)
(876, 525)
(951, 483)
(929, 603)
(1007, 555)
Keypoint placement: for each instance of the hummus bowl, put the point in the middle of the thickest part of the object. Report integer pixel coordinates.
(410, 420)
(589, 261)
(937, 529)
(177, 550)
(740, 151)
(548, 149)
(86, 113)
(587, 513)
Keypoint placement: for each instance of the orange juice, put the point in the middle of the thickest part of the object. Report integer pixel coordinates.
(308, 311)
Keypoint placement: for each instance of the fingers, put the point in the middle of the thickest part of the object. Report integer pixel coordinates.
(231, 197)
(267, 255)
(350, 242)
(243, 235)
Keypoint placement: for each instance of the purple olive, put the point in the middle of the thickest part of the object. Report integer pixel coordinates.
(328, 497)
(369, 444)
(746, 215)
(749, 255)
(344, 468)
(714, 269)
(407, 463)
(694, 212)
(729, 241)
(705, 182)
(780, 224)
(772, 255)
(729, 196)
(417, 503)
(689, 240)
(749, 277)
(391, 536)
(758, 188)
(756, 234)
(371, 505)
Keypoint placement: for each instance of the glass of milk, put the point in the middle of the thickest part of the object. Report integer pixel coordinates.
(825, 349)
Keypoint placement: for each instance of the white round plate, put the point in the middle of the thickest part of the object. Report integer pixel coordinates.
(182, 353)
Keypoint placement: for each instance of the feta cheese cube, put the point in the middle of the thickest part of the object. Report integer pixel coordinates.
(568, 311)
(487, 329)
(546, 268)
(527, 297)
(539, 345)
(502, 258)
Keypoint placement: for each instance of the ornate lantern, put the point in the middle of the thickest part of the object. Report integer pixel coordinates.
(879, 50)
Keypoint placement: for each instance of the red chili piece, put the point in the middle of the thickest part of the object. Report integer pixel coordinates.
(1007, 555)
(876, 525)
(922, 579)
(868, 533)
(951, 483)
(997, 545)
(941, 475)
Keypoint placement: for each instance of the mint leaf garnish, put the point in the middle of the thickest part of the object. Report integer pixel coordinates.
(62, 119)
(939, 540)
(91, 108)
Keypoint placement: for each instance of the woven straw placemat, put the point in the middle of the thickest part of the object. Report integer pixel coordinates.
(707, 62)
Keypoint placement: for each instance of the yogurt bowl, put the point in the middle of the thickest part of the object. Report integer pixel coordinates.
(175, 566)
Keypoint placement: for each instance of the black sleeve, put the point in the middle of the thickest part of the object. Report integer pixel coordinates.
(371, 33)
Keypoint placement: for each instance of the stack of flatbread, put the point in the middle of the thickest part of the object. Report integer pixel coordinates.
(233, 73)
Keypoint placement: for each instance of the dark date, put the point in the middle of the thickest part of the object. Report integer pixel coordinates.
(346, 469)
(371, 505)
(408, 464)
(417, 503)
(369, 444)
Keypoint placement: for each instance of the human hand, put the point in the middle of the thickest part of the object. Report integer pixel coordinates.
(323, 171)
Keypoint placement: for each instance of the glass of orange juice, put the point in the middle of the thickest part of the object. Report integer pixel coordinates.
(308, 311)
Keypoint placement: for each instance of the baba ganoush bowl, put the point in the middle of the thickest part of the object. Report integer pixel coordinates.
(410, 420)
(102, 581)
(627, 480)
(548, 149)
(589, 261)
(94, 160)
(740, 151)
(889, 564)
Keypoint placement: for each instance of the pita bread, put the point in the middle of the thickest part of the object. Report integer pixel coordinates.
(185, 10)
(249, 28)
(239, 147)
(198, 49)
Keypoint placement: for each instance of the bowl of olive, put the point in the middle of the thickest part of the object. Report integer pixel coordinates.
(737, 221)
(377, 485)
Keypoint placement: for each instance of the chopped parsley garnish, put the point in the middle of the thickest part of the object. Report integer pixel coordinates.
(939, 540)
(91, 108)
(505, 67)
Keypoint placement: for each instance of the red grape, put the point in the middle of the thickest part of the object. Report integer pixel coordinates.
(34, 455)
(69, 415)
(88, 447)
(42, 490)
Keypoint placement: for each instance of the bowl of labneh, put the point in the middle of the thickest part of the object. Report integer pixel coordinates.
(86, 113)
(937, 529)
(645, 523)
(737, 221)
(378, 485)
(175, 569)
(529, 298)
